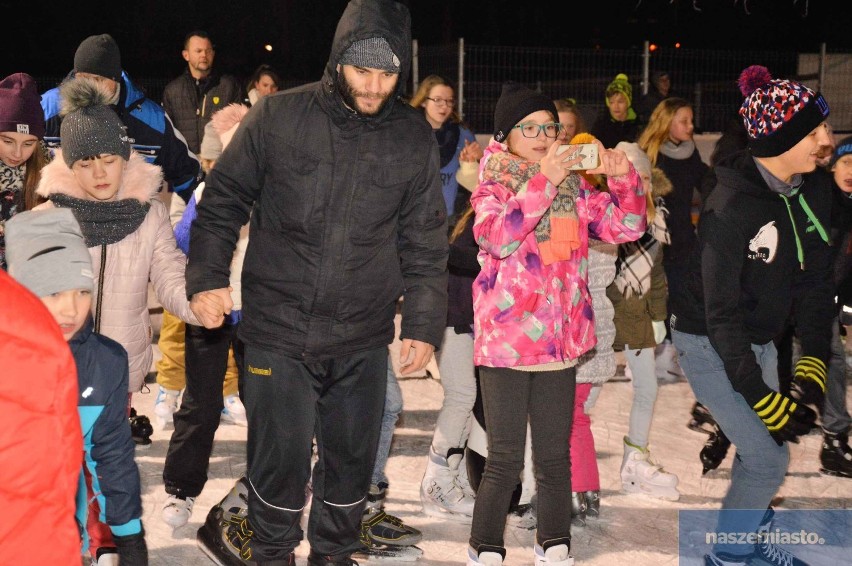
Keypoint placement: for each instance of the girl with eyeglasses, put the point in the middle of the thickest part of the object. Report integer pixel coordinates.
(532, 309)
(436, 98)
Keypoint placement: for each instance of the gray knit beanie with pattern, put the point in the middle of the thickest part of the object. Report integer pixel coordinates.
(46, 252)
(373, 53)
(89, 126)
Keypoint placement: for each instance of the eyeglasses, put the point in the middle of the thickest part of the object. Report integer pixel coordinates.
(550, 129)
(443, 101)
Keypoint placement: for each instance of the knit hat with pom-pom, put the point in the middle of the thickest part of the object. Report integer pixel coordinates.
(620, 85)
(777, 113)
(89, 126)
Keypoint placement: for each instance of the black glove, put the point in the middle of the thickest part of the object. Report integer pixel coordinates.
(808, 386)
(132, 550)
(784, 418)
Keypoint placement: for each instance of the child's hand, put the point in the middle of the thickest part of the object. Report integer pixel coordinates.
(554, 168)
(613, 162)
(471, 152)
(210, 307)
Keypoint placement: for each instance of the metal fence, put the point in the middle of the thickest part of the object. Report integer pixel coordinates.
(705, 77)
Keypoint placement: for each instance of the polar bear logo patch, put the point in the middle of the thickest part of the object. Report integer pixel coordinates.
(765, 243)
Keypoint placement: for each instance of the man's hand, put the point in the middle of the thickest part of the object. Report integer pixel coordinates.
(211, 306)
(422, 353)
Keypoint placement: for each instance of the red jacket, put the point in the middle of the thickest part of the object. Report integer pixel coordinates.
(41, 446)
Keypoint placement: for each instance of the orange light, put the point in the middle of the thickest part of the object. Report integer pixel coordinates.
(652, 47)
(677, 45)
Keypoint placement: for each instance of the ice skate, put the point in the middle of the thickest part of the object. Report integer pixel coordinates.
(440, 492)
(578, 509)
(593, 503)
(165, 406)
(723, 559)
(379, 528)
(554, 553)
(106, 556)
(225, 536)
(177, 510)
(639, 474)
(141, 430)
(701, 420)
(715, 450)
(233, 411)
(766, 552)
(835, 458)
(487, 556)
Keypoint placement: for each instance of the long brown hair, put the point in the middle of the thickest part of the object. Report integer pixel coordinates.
(461, 224)
(423, 93)
(657, 131)
(34, 165)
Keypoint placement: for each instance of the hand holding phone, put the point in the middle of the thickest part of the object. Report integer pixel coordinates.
(587, 153)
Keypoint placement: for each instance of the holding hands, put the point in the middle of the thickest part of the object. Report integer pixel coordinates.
(211, 306)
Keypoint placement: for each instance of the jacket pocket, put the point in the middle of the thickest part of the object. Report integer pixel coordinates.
(290, 203)
(377, 200)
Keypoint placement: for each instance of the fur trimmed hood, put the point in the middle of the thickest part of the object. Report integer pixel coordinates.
(141, 181)
(660, 184)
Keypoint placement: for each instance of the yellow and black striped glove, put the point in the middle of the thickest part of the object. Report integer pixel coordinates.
(808, 386)
(784, 418)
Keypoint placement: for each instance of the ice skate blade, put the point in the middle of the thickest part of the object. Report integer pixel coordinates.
(666, 494)
(433, 510)
(390, 553)
(833, 473)
(209, 553)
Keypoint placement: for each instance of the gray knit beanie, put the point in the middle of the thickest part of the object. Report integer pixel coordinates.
(90, 127)
(374, 53)
(99, 55)
(46, 252)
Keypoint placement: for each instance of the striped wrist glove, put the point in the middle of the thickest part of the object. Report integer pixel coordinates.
(808, 386)
(784, 418)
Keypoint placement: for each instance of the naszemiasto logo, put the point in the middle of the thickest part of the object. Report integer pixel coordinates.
(764, 244)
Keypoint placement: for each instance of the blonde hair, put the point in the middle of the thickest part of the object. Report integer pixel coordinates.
(569, 105)
(657, 131)
(461, 224)
(423, 93)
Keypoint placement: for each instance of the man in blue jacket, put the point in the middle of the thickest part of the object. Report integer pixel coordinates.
(150, 130)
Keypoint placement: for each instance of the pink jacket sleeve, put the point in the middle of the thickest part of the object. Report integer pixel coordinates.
(619, 215)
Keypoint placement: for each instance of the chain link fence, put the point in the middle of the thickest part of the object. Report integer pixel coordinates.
(705, 77)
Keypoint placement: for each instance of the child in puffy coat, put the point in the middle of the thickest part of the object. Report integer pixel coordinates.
(532, 309)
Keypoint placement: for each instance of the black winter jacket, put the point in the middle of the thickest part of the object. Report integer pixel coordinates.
(745, 278)
(346, 211)
(190, 103)
(463, 267)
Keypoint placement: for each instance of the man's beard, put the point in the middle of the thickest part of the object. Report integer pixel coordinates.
(350, 95)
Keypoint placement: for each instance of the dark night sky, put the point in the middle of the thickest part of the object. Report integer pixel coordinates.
(150, 32)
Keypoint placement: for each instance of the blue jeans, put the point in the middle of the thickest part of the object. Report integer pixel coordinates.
(760, 464)
(393, 407)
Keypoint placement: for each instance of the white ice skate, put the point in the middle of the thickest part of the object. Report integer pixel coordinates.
(440, 491)
(557, 555)
(177, 511)
(233, 411)
(485, 558)
(640, 474)
(165, 405)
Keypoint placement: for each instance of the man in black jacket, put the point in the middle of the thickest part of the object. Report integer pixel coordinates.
(341, 180)
(192, 98)
(763, 254)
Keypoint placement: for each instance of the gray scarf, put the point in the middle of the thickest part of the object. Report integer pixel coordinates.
(104, 222)
(682, 150)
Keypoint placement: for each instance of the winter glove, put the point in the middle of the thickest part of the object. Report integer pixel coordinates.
(132, 550)
(785, 419)
(659, 330)
(808, 385)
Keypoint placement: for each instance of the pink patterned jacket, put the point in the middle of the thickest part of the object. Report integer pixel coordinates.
(525, 312)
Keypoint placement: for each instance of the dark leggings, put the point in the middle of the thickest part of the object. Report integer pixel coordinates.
(510, 398)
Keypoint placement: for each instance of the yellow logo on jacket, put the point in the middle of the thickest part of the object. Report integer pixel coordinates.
(259, 371)
(215, 100)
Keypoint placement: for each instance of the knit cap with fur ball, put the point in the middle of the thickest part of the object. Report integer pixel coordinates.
(89, 126)
(777, 113)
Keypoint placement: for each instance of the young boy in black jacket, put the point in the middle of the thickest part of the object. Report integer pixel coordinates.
(763, 255)
(47, 254)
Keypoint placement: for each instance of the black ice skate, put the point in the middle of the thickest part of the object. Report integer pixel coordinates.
(715, 449)
(702, 420)
(578, 508)
(140, 429)
(835, 458)
(385, 537)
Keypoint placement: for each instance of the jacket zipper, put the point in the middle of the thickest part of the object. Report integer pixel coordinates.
(800, 254)
(100, 289)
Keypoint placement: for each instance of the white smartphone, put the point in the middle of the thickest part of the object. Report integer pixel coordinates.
(588, 151)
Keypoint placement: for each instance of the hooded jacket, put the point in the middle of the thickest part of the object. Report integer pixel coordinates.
(151, 131)
(746, 277)
(149, 253)
(40, 441)
(346, 211)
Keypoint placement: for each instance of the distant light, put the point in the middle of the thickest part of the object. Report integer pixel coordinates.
(677, 45)
(652, 47)
(267, 47)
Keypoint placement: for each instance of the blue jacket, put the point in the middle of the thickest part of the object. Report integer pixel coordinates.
(449, 185)
(102, 376)
(151, 133)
